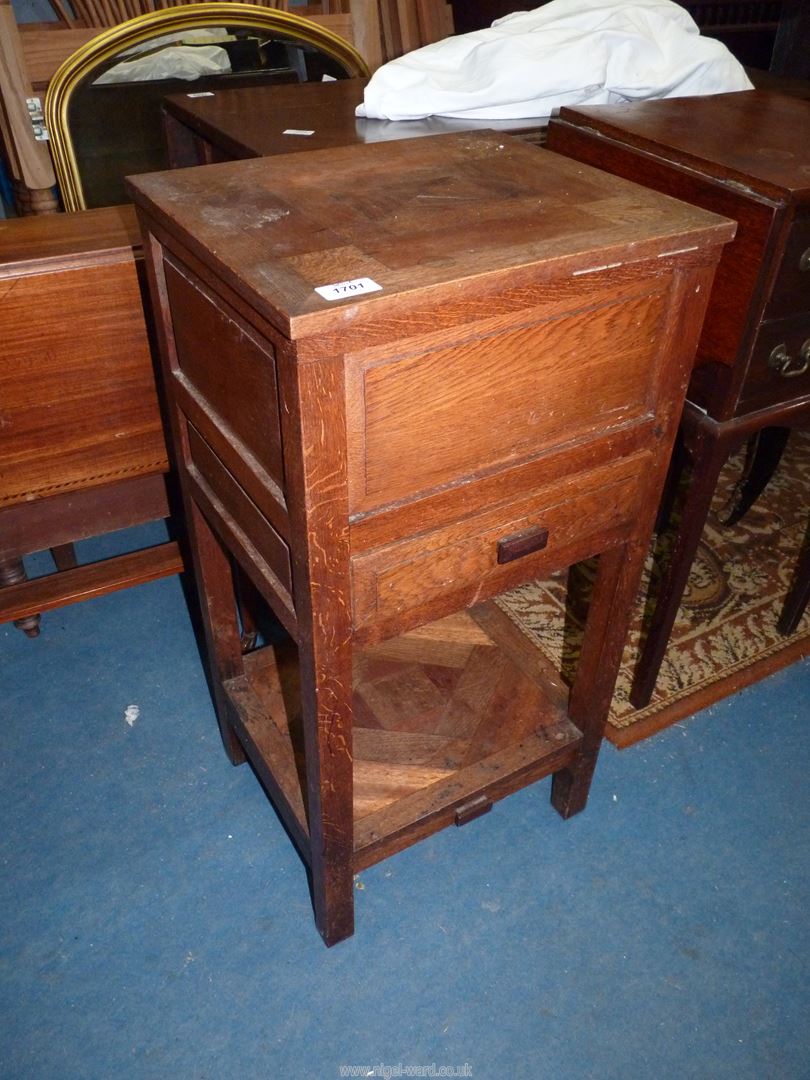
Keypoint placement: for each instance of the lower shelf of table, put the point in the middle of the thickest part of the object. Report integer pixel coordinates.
(448, 719)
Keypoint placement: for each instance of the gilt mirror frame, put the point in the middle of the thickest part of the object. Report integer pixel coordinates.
(108, 43)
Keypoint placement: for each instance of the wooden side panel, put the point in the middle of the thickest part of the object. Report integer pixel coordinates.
(78, 405)
(227, 363)
(421, 421)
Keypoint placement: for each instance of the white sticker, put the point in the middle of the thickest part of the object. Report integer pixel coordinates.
(342, 289)
(297, 131)
(202, 93)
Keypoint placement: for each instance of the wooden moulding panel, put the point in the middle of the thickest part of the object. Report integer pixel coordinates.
(420, 421)
(225, 361)
(458, 565)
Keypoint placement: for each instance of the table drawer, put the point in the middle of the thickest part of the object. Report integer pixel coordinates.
(780, 365)
(480, 556)
(791, 291)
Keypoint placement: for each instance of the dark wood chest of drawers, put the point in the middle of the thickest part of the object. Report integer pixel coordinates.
(500, 401)
(745, 155)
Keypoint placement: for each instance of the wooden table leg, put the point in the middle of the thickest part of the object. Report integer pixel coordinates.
(708, 455)
(617, 581)
(215, 589)
(763, 455)
(12, 572)
(327, 722)
(322, 587)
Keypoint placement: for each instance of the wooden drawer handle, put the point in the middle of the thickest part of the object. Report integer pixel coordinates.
(473, 809)
(783, 363)
(522, 543)
(804, 261)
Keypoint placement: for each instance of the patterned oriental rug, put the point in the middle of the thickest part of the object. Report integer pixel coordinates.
(725, 636)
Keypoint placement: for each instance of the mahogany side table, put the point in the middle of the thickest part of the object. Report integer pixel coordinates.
(746, 155)
(403, 378)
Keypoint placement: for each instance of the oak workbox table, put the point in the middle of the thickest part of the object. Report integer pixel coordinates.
(82, 450)
(745, 155)
(262, 121)
(404, 377)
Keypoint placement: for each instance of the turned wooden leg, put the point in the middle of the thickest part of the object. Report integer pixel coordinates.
(708, 457)
(617, 580)
(28, 201)
(799, 595)
(763, 454)
(12, 572)
(44, 201)
(215, 589)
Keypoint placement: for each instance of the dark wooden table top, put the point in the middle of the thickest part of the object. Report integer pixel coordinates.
(252, 122)
(758, 138)
(414, 215)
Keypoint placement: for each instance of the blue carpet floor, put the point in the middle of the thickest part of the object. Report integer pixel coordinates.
(156, 919)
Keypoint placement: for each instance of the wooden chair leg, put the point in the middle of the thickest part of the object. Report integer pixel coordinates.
(12, 572)
(799, 595)
(708, 459)
(763, 454)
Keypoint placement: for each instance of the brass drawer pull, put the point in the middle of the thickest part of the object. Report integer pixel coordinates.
(783, 363)
(804, 261)
(522, 543)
